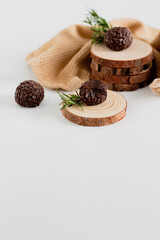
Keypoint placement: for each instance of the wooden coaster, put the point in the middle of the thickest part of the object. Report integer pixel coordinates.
(138, 54)
(143, 76)
(119, 71)
(128, 87)
(110, 111)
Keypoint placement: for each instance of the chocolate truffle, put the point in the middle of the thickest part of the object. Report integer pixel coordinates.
(29, 94)
(118, 38)
(93, 92)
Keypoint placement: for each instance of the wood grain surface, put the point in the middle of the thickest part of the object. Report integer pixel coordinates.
(138, 54)
(110, 111)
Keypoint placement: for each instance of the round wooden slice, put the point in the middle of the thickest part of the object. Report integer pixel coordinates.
(110, 111)
(138, 54)
(119, 71)
(143, 76)
(127, 87)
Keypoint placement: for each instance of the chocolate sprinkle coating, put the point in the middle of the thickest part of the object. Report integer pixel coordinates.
(118, 38)
(29, 94)
(93, 92)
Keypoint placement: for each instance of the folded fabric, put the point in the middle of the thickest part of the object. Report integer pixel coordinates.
(63, 62)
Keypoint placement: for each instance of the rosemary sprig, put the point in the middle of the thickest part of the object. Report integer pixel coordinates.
(98, 25)
(70, 100)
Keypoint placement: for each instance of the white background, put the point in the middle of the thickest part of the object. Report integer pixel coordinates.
(63, 181)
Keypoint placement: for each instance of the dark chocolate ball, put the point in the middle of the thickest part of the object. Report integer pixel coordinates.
(93, 92)
(29, 94)
(118, 38)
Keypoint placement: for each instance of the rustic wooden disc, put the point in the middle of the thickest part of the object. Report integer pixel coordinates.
(119, 71)
(143, 76)
(127, 87)
(110, 111)
(138, 54)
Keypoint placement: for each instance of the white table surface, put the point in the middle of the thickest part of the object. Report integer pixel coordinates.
(63, 181)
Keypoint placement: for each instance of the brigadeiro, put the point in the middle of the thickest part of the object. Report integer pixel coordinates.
(29, 94)
(93, 92)
(118, 38)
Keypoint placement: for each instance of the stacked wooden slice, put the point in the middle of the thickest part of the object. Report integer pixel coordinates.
(125, 70)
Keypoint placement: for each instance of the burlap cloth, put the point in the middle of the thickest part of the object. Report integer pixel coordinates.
(63, 62)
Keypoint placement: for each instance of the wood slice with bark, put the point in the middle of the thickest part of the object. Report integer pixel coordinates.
(143, 76)
(119, 71)
(138, 54)
(112, 110)
(128, 87)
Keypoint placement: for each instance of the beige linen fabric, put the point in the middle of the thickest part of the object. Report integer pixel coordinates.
(63, 62)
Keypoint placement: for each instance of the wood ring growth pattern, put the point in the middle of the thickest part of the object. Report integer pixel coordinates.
(138, 54)
(112, 110)
(125, 70)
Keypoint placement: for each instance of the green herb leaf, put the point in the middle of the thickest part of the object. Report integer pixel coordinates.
(98, 25)
(70, 100)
